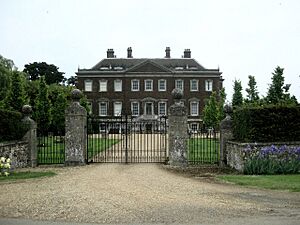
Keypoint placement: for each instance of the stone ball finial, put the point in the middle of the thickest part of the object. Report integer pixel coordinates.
(76, 94)
(228, 108)
(177, 93)
(27, 109)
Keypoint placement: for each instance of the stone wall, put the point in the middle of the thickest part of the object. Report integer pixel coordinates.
(235, 156)
(17, 151)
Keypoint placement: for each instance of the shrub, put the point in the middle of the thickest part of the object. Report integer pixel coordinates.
(4, 166)
(11, 126)
(272, 160)
(266, 123)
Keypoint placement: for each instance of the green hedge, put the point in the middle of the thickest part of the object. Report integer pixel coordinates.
(267, 124)
(11, 127)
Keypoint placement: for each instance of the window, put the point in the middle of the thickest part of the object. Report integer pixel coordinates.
(194, 108)
(88, 85)
(117, 108)
(103, 109)
(162, 85)
(162, 108)
(179, 84)
(194, 85)
(103, 85)
(208, 85)
(135, 85)
(148, 85)
(135, 109)
(118, 85)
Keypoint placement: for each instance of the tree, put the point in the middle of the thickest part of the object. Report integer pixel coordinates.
(71, 81)
(278, 92)
(58, 113)
(16, 96)
(84, 102)
(237, 97)
(210, 112)
(42, 113)
(6, 66)
(221, 102)
(275, 91)
(36, 70)
(252, 93)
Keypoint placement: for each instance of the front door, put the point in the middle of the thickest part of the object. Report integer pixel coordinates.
(149, 108)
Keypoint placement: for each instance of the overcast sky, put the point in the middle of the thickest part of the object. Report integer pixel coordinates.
(240, 37)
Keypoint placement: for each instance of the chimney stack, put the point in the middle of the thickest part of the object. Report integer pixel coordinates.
(187, 53)
(110, 53)
(168, 50)
(129, 52)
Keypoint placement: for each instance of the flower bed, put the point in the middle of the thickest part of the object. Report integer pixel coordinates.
(272, 160)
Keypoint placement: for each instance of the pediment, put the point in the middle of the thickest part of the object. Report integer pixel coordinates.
(148, 66)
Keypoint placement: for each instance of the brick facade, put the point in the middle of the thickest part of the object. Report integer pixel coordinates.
(127, 69)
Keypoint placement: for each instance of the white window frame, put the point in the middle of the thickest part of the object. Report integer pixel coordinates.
(160, 89)
(182, 84)
(207, 86)
(138, 82)
(191, 85)
(197, 127)
(104, 82)
(191, 108)
(115, 113)
(151, 82)
(106, 108)
(85, 85)
(138, 108)
(159, 107)
(115, 85)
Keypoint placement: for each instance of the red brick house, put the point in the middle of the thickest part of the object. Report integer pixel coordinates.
(143, 86)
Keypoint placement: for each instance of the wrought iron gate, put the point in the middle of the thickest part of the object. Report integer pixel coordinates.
(203, 147)
(127, 139)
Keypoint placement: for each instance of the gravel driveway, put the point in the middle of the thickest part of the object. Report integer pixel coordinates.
(141, 193)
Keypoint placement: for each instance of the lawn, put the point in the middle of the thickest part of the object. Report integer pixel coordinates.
(26, 175)
(51, 150)
(276, 182)
(203, 150)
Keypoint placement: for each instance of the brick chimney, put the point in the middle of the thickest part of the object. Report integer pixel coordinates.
(129, 52)
(168, 50)
(187, 53)
(110, 53)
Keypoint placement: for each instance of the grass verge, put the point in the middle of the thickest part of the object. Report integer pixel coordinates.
(274, 182)
(27, 175)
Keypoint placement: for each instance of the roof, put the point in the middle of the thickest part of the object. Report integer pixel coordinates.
(165, 64)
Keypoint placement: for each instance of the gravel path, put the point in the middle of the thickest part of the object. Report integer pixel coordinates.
(140, 193)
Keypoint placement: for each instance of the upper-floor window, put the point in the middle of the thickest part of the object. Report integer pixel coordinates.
(135, 108)
(88, 84)
(148, 85)
(103, 109)
(194, 108)
(162, 85)
(194, 85)
(179, 84)
(162, 108)
(103, 85)
(117, 108)
(118, 85)
(135, 85)
(208, 85)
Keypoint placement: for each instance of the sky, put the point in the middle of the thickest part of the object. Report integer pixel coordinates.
(241, 37)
